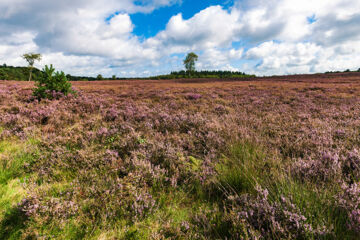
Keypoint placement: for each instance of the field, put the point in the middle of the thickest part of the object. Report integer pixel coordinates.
(263, 158)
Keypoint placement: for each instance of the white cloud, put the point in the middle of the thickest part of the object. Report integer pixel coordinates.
(212, 27)
(75, 32)
(286, 58)
(277, 34)
(283, 58)
(12, 47)
(218, 59)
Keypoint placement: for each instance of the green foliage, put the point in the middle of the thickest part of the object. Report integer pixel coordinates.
(215, 74)
(18, 73)
(10, 168)
(194, 164)
(31, 58)
(53, 83)
(13, 157)
(246, 168)
(99, 77)
(189, 62)
(21, 74)
(241, 170)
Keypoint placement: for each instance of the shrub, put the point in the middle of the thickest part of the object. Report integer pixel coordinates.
(52, 85)
(99, 77)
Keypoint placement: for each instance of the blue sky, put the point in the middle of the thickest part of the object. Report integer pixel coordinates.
(149, 24)
(131, 38)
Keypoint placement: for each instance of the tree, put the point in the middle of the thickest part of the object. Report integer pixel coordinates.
(99, 77)
(52, 85)
(31, 58)
(189, 62)
(113, 77)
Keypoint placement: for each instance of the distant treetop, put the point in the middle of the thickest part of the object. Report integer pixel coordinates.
(189, 62)
(31, 58)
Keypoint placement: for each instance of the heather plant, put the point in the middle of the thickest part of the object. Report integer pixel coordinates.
(349, 200)
(351, 166)
(271, 218)
(52, 85)
(149, 160)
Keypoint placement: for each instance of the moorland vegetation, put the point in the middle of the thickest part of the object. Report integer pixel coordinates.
(167, 160)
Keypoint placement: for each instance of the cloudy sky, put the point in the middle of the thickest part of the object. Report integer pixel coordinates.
(148, 37)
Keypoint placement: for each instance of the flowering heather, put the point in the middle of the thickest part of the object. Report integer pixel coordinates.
(193, 96)
(262, 159)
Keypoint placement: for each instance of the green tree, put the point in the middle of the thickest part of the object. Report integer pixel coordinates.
(52, 85)
(113, 77)
(99, 77)
(3, 75)
(31, 58)
(189, 62)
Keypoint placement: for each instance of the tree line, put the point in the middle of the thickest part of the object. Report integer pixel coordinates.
(22, 74)
(18, 73)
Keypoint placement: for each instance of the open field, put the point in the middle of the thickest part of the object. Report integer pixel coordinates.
(264, 158)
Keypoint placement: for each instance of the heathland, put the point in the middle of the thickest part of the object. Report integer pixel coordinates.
(258, 158)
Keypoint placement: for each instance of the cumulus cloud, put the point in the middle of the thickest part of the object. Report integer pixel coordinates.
(284, 36)
(209, 28)
(75, 30)
(272, 36)
(329, 42)
(13, 46)
(283, 58)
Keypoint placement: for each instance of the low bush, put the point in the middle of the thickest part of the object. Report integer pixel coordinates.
(52, 85)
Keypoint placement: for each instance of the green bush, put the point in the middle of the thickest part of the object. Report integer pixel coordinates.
(52, 85)
(99, 77)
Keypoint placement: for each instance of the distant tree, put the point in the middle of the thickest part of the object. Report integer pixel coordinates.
(358, 70)
(3, 75)
(99, 77)
(347, 70)
(113, 77)
(189, 62)
(31, 58)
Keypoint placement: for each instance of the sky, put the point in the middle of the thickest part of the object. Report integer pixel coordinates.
(130, 38)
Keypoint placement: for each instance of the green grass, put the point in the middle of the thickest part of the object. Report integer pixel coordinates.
(317, 205)
(13, 155)
(246, 165)
(241, 169)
